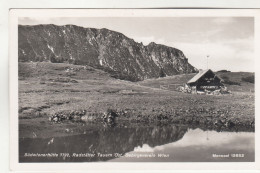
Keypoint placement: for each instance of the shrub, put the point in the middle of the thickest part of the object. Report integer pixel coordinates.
(224, 71)
(162, 73)
(225, 78)
(250, 79)
(229, 82)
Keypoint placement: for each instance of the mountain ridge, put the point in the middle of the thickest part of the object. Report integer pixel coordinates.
(100, 48)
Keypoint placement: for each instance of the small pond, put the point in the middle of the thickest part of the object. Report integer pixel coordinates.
(168, 143)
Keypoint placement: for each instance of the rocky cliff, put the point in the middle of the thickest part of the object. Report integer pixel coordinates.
(100, 48)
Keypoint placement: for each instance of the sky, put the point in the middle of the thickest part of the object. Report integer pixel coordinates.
(227, 41)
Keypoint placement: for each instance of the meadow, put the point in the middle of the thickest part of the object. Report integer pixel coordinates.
(48, 88)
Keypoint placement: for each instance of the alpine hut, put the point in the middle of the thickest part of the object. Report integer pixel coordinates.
(205, 80)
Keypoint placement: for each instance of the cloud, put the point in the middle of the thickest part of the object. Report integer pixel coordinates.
(144, 40)
(241, 43)
(234, 55)
(228, 40)
(230, 54)
(35, 21)
(144, 148)
(147, 40)
(214, 139)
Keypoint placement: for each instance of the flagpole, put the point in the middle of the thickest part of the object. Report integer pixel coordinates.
(207, 62)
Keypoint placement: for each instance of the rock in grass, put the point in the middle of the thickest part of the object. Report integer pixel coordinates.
(230, 124)
(252, 124)
(67, 115)
(218, 123)
(109, 116)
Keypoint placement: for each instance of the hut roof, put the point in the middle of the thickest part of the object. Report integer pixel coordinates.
(199, 75)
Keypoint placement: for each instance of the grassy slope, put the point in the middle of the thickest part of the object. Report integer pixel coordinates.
(236, 77)
(177, 80)
(95, 91)
(46, 88)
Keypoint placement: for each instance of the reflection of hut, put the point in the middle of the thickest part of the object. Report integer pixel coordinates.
(205, 80)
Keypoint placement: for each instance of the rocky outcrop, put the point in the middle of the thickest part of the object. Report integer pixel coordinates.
(100, 48)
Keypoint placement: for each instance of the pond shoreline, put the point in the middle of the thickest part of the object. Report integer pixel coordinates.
(210, 118)
(41, 126)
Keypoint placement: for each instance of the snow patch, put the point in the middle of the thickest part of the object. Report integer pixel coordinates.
(50, 47)
(155, 60)
(144, 148)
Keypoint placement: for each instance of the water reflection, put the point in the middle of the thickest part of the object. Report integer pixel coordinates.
(202, 146)
(159, 143)
(104, 141)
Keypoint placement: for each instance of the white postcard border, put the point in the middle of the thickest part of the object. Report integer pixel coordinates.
(14, 14)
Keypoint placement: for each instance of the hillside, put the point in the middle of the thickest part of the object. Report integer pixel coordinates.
(232, 80)
(48, 88)
(100, 48)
